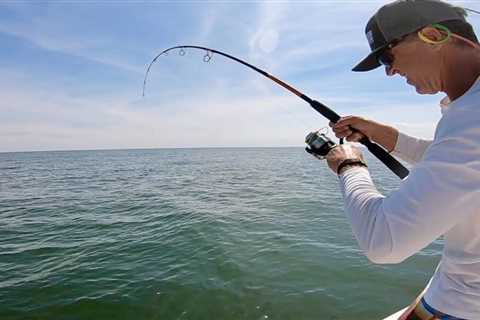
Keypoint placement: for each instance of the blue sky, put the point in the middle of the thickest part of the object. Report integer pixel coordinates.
(72, 74)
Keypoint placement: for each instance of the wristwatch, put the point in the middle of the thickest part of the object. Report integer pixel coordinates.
(350, 163)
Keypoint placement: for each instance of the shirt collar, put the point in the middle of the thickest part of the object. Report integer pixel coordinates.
(445, 102)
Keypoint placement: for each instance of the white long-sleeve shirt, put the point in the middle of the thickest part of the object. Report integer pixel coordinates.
(441, 196)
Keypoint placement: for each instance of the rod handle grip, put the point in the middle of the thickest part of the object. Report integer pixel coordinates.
(386, 158)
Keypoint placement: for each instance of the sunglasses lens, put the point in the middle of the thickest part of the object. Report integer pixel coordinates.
(385, 58)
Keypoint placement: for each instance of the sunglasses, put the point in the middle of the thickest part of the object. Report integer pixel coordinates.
(385, 56)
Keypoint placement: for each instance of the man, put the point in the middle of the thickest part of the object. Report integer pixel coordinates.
(429, 43)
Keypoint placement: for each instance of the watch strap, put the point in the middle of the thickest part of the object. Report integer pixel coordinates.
(350, 162)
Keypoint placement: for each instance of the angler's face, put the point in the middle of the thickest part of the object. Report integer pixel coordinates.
(418, 62)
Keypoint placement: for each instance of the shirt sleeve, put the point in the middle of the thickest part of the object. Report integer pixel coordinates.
(410, 149)
(440, 191)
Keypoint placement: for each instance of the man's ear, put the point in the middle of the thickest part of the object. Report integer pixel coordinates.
(433, 34)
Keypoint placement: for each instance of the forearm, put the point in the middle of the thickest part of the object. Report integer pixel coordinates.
(390, 229)
(410, 149)
(386, 136)
(407, 148)
(363, 208)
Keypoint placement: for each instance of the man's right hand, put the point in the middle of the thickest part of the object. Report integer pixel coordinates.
(377, 132)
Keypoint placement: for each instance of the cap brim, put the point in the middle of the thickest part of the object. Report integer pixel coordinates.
(369, 63)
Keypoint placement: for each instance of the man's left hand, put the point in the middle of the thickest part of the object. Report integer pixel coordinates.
(342, 152)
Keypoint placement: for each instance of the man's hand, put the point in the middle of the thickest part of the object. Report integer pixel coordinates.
(342, 152)
(380, 133)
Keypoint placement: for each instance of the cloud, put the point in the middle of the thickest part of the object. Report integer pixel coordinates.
(267, 33)
(46, 120)
(50, 32)
(311, 45)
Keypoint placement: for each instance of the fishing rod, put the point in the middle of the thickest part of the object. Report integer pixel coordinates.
(393, 164)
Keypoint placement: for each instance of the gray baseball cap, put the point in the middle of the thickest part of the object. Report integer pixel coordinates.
(400, 18)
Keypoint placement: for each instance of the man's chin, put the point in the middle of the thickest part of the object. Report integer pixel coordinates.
(419, 90)
(424, 91)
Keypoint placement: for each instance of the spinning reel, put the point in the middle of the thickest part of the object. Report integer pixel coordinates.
(319, 145)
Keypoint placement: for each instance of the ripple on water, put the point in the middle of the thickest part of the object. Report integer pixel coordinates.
(188, 234)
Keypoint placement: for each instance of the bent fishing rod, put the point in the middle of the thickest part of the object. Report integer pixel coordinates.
(393, 164)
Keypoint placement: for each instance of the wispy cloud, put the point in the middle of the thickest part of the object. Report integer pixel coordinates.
(52, 103)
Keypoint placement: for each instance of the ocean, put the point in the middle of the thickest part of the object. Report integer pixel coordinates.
(214, 233)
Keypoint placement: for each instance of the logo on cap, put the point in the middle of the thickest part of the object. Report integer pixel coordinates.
(370, 38)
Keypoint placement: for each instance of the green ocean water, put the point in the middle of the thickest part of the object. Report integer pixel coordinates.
(247, 233)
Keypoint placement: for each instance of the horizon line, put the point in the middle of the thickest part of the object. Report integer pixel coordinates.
(160, 148)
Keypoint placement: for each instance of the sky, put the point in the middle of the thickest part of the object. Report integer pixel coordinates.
(72, 74)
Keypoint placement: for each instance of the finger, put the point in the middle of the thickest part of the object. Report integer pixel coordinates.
(343, 134)
(348, 130)
(355, 137)
(348, 121)
(331, 124)
(343, 119)
(341, 128)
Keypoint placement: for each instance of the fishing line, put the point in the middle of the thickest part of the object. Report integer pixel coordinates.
(471, 10)
(387, 159)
